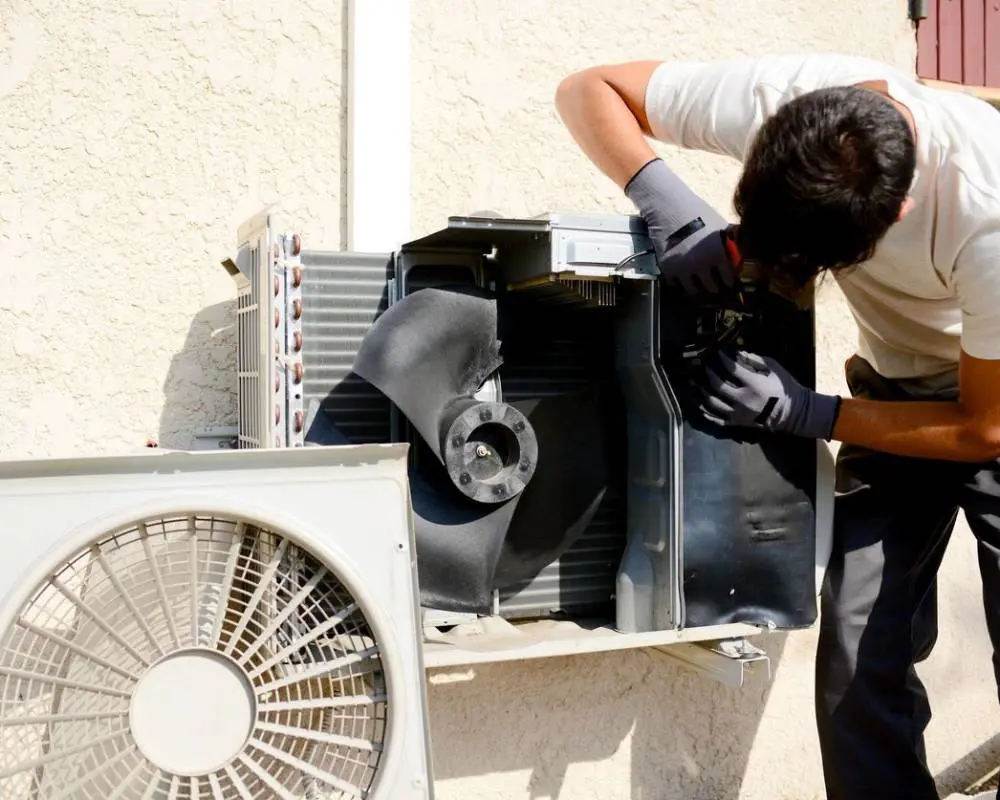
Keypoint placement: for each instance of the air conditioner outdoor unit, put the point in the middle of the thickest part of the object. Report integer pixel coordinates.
(541, 375)
(198, 625)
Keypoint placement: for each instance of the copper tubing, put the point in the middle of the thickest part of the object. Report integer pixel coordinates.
(297, 309)
(296, 244)
(277, 414)
(299, 421)
(296, 277)
(299, 371)
(297, 339)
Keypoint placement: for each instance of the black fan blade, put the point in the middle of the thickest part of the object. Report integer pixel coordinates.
(464, 549)
(567, 487)
(429, 353)
(458, 543)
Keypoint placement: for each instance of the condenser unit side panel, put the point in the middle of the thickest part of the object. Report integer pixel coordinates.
(342, 295)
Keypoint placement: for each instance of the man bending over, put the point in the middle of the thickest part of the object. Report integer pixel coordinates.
(853, 169)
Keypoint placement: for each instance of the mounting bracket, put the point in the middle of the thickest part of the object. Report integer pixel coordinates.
(729, 661)
(220, 438)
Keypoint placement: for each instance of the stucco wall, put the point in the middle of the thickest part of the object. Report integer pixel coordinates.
(135, 136)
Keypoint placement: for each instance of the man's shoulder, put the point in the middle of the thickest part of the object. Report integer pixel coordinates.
(719, 105)
(792, 72)
(822, 69)
(961, 133)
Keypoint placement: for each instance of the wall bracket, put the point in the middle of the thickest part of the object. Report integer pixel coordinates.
(729, 661)
(218, 438)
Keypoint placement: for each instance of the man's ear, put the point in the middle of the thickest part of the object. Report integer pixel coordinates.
(906, 208)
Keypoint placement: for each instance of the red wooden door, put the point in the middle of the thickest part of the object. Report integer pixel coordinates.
(959, 42)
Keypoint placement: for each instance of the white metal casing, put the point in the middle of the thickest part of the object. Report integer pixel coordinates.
(348, 506)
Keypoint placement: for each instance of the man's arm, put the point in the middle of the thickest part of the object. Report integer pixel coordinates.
(604, 110)
(756, 391)
(966, 430)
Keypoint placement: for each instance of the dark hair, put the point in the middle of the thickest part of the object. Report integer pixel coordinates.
(824, 179)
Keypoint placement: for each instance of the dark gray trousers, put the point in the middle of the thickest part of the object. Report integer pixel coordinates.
(892, 521)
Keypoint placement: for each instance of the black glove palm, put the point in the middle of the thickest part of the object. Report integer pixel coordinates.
(755, 391)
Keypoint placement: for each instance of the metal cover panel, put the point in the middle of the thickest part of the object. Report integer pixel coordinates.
(481, 234)
(630, 224)
(485, 233)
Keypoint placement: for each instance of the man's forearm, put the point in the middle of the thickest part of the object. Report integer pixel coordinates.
(934, 430)
(603, 126)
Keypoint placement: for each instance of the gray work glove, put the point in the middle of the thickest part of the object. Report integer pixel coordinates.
(687, 232)
(756, 392)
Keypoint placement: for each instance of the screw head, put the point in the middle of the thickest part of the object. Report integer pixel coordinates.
(465, 479)
(485, 415)
(518, 426)
(457, 441)
(481, 451)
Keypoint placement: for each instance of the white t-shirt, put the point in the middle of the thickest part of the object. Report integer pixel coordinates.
(933, 286)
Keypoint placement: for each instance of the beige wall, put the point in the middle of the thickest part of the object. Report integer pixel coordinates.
(135, 136)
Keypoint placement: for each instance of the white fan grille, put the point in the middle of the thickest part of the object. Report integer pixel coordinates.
(71, 664)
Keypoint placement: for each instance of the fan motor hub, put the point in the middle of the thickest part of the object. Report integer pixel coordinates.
(192, 712)
(490, 451)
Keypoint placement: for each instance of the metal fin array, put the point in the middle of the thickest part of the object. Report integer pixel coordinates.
(560, 289)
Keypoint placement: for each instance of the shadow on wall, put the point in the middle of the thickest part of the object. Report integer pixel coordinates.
(527, 716)
(200, 388)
